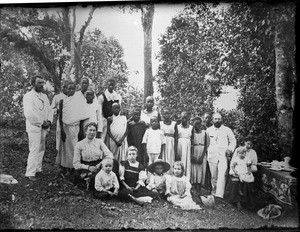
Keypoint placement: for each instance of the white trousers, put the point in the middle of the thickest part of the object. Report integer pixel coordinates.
(36, 142)
(218, 177)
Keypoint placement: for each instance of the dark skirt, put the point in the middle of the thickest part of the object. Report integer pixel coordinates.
(85, 179)
(237, 191)
(140, 192)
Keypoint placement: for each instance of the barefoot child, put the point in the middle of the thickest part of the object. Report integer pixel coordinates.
(178, 188)
(106, 181)
(183, 133)
(200, 142)
(154, 140)
(157, 181)
(168, 127)
(117, 132)
(132, 179)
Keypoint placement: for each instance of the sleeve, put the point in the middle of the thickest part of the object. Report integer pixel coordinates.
(145, 137)
(151, 184)
(106, 151)
(98, 183)
(254, 162)
(77, 158)
(121, 172)
(30, 113)
(168, 184)
(231, 140)
(115, 182)
(99, 113)
(142, 178)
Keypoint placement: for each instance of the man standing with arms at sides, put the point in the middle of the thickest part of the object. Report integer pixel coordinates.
(105, 101)
(39, 116)
(222, 144)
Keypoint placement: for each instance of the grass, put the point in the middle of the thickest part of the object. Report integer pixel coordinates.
(53, 203)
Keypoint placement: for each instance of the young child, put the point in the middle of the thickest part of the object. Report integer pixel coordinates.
(200, 142)
(154, 140)
(106, 181)
(178, 188)
(157, 181)
(240, 167)
(117, 132)
(183, 133)
(149, 112)
(136, 131)
(132, 179)
(168, 127)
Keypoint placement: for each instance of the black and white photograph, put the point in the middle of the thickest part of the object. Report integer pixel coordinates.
(144, 115)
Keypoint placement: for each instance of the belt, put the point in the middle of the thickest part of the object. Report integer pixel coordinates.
(169, 135)
(198, 144)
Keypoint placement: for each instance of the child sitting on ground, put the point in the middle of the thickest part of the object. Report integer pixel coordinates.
(178, 188)
(157, 182)
(240, 166)
(132, 178)
(106, 181)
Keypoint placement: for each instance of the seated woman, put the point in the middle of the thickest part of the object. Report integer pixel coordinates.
(88, 154)
(239, 189)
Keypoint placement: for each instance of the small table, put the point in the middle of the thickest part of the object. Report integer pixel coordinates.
(279, 183)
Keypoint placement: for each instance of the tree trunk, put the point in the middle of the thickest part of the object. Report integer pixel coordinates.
(284, 79)
(147, 21)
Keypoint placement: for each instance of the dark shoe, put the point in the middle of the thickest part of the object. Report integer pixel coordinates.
(32, 178)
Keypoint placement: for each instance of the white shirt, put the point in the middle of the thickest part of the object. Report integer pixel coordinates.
(154, 139)
(55, 102)
(110, 97)
(92, 112)
(36, 110)
(221, 139)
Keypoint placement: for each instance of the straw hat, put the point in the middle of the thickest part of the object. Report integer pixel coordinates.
(166, 166)
(270, 211)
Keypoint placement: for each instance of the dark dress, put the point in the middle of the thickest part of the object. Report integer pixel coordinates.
(107, 106)
(136, 131)
(131, 177)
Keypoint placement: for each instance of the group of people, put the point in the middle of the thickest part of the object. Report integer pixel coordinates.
(147, 156)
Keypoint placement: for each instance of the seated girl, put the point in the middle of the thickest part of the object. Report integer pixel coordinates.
(178, 189)
(239, 189)
(132, 179)
(106, 181)
(157, 181)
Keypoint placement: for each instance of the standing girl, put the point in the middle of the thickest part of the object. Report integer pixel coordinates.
(168, 127)
(183, 134)
(154, 140)
(117, 132)
(132, 179)
(149, 112)
(200, 142)
(178, 188)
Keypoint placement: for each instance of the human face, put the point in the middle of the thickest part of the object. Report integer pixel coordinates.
(107, 166)
(149, 103)
(159, 169)
(154, 123)
(197, 125)
(136, 115)
(39, 85)
(177, 170)
(248, 145)
(110, 86)
(217, 120)
(206, 118)
(91, 132)
(71, 89)
(89, 96)
(167, 114)
(115, 109)
(184, 119)
(65, 89)
(242, 155)
(131, 156)
(84, 85)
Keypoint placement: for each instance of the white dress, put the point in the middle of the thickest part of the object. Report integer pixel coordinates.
(184, 148)
(168, 154)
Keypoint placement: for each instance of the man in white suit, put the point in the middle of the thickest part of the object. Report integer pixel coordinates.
(39, 116)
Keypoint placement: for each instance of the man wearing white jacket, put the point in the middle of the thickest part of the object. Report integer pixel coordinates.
(39, 116)
(222, 143)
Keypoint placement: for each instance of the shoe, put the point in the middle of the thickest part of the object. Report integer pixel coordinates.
(32, 178)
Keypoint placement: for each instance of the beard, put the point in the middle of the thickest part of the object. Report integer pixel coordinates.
(217, 124)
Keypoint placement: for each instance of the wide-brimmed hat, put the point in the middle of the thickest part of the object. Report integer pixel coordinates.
(166, 166)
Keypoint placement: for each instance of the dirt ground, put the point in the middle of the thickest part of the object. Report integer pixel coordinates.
(53, 203)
